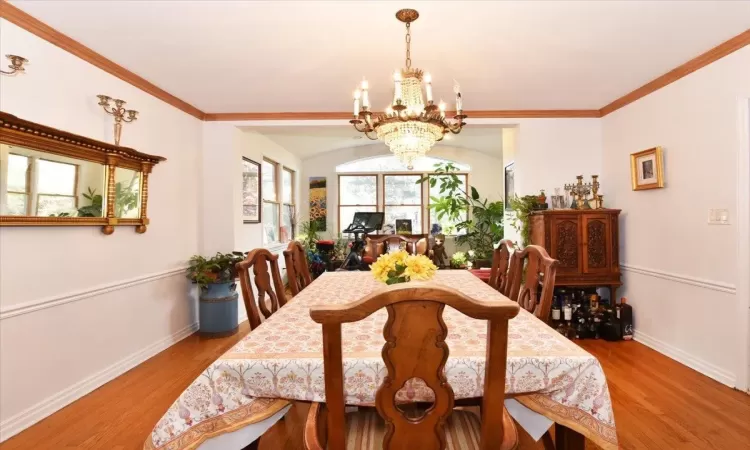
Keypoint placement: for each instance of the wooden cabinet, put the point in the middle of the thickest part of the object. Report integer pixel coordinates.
(585, 242)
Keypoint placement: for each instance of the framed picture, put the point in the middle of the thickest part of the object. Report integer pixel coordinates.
(509, 189)
(403, 226)
(251, 191)
(646, 170)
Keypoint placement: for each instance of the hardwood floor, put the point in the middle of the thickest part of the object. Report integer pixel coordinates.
(659, 404)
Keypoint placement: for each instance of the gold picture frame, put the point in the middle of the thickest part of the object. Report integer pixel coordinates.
(647, 169)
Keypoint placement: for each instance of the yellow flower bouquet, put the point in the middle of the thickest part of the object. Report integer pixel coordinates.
(400, 267)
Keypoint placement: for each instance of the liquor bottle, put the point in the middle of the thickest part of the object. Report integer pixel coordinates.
(626, 319)
(556, 313)
(594, 301)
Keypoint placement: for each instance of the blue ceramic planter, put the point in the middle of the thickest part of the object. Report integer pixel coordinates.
(218, 309)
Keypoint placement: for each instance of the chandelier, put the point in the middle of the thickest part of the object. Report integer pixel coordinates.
(409, 127)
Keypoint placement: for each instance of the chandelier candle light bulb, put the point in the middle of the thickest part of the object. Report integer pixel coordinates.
(357, 94)
(428, 87)
(410, 127)
(365, 96)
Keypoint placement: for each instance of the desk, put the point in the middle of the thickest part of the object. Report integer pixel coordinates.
(282, 360)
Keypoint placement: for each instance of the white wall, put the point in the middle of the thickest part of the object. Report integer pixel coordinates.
(680, 272)
(221, 225)
(78, 307)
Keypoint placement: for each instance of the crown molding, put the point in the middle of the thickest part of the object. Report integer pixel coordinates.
(44, 31)
(49, 34)
(713, 55)
(479, 114)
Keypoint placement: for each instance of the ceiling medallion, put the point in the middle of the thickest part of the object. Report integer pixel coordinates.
(409, 127)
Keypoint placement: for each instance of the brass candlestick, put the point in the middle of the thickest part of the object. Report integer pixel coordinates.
(119, 112)
(16, 64)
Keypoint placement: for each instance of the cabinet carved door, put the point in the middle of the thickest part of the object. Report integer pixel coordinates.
(565, 244)
(597, 257)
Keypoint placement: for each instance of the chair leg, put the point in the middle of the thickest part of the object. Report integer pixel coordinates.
(567, 439)
(547, 441)
(253, 445)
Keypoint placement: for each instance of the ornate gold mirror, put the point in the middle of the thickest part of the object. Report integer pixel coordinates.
(51, 177)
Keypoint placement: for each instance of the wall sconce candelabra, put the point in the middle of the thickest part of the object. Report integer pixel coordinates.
(119, 112)
(16, 64)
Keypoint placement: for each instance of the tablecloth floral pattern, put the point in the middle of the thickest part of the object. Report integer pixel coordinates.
(282, 360)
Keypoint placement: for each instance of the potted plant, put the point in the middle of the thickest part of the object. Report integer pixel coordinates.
(523, 207)
(483, 228)
(458, 260)
(215, 277)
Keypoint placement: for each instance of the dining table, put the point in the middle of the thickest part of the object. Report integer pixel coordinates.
(251, 386)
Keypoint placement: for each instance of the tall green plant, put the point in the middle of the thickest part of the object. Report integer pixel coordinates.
(483, 226)
(523, 207)
(95, 208)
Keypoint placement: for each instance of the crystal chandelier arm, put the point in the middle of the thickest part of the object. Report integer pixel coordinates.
(360, 126)
(372, 138)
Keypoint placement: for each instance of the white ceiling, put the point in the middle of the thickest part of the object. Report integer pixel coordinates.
(311, 141)
(300, 56)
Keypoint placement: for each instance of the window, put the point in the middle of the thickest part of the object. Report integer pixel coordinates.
(288, 207)
(446, 225)
(19, 185)
(271, 206)
(402, 199)
(357, 193)
(56, 187)
(393, 190)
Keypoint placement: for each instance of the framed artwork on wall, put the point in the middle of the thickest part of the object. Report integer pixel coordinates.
(403, 226)
(318, 199)
(251, 191)
(646, 169)
(509, 188)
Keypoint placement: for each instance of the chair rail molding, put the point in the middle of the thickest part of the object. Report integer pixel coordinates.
(50, 302)
(678, 278)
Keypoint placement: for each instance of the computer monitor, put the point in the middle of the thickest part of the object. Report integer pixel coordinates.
(368, 220)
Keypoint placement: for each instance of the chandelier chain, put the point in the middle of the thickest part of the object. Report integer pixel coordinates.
(408, 46)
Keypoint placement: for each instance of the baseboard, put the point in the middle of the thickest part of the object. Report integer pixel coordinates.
(704, 367)
(46, 407)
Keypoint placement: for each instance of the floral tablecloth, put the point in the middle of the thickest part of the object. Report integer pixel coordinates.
(283, 360)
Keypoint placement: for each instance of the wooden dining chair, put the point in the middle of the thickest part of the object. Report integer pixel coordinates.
(499, 274)
(261, 261)
(533, 291)
(297, 270)
(415, 348)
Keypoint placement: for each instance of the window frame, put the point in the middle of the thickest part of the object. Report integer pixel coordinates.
(378, 198)
(277, 202)
(292, 206)
(29, 177)
(75, 184)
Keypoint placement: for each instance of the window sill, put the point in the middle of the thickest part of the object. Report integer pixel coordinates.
(275, 247)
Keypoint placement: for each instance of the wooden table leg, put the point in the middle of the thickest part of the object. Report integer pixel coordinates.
(567, 439)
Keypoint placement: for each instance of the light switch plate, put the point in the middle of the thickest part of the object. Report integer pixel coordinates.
(718, 217)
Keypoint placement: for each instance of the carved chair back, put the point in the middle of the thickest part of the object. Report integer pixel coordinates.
(416, 244)
(533, 291)
(297, 269)
(499, 274)
(415, 348)
(262, 262)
